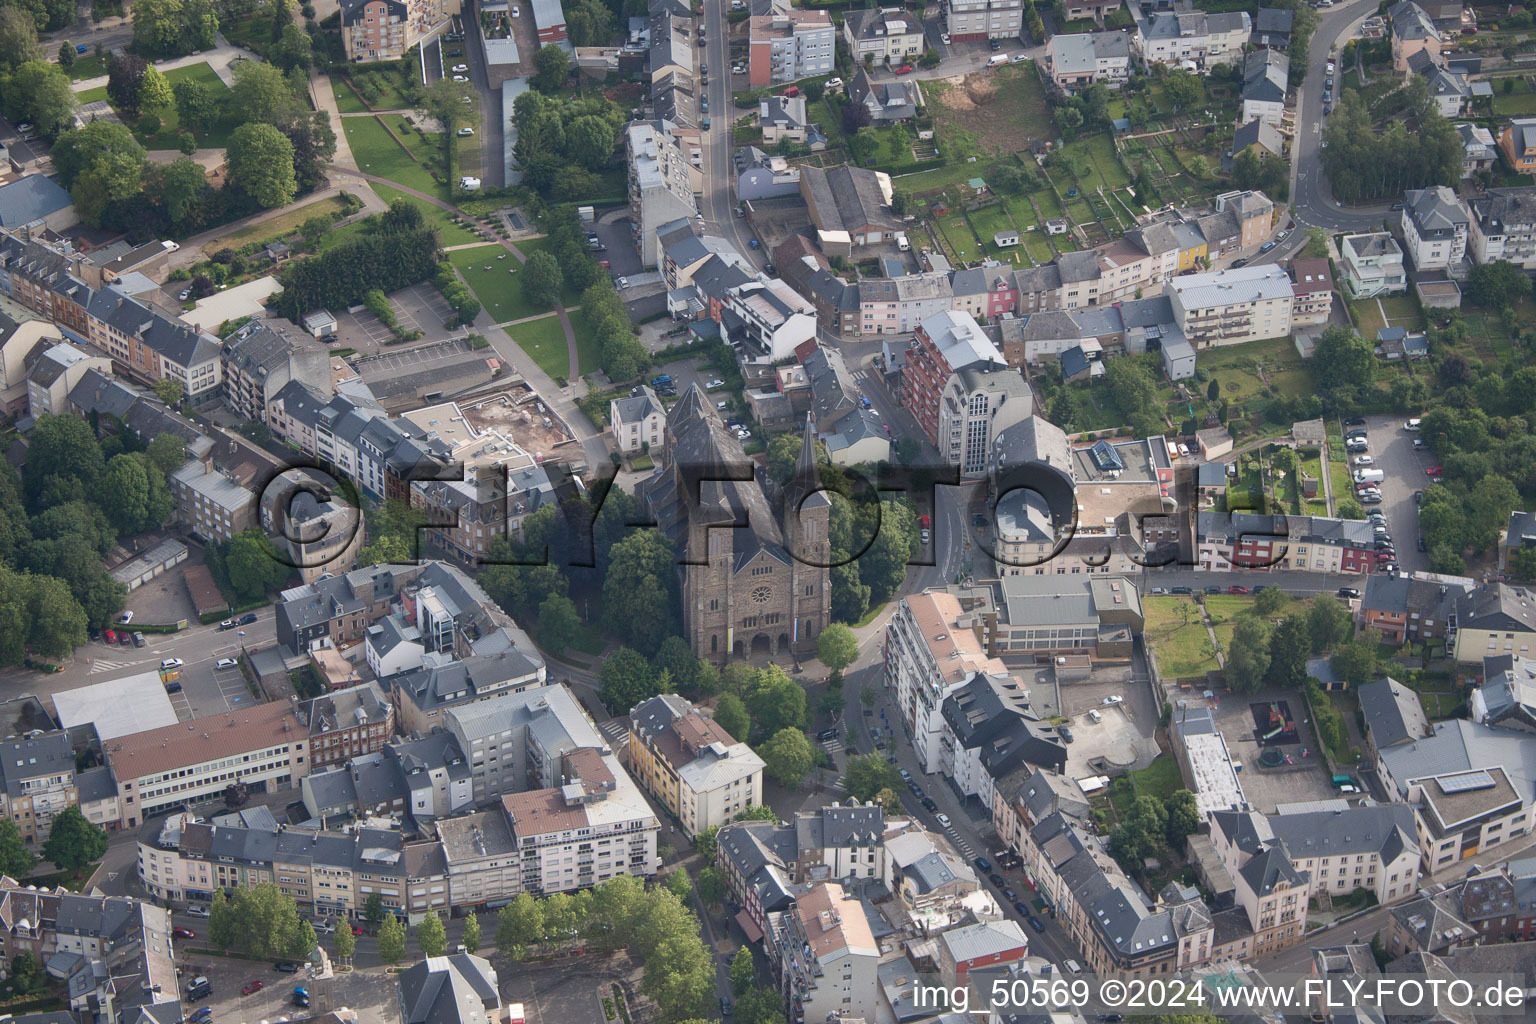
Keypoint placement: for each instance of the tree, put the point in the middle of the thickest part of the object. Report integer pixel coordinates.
(787, 757)
(260, 160)
(1268, 602)
(1248, 655)
(837, 647)
(18, 39)
(170, 391)
(1289, 645)
(867, 774)
(106, 151)
(627, 680)
(518, 925)
(1497, 284)
(261, 93)
(776, 702)
(171, 28)
(155, 94)
(196, 108)
(470, 937)
(67, 55)
(590, 141)
(743, 971)
(125, 78)
(305, 942)
(1184, 90)
(40, 92)
(345, 941)
(373, 910)
(712, 889)
(541, 279)
(16, 858)
(1342, 362)
(1070, 118)
(639, 590)
(559, 624)
(679, 883)
(552, 66)
(430, 937)
(731, 715)
(73, 842)
(253, 564)
(1183, 816)
(1328, 623)
(391, 940)
(855, 117)
(1355, 662)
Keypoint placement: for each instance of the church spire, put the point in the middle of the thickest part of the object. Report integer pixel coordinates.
(805, 466)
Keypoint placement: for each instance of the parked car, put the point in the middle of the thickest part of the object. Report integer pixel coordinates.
(982, 864)
(1412, 424)
(1349, 592)
(1434, 471)
(227, 624)
(1066, 734)
(286, 967)
(226, 663)
(247, 618)
(996, 879)
(197, 910)
(252, 987)
(1022, 909)
(460, 78)
(928, 804)
(905, 69)
(1355, 421)
(1037, 924)
(1364, 460)
(461, 68)
(1266, 247)
(170, 663)
(1237, 264)
(1113, 700)
(110, 636)
(466, 131)
(183, 933)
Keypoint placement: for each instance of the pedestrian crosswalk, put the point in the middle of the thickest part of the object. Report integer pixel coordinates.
(616, 732)
(960, 844)
(833, 747)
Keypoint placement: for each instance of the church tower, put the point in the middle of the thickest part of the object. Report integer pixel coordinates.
(807, 534)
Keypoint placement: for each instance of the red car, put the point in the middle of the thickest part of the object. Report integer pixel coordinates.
(252, 988)
(111, 636)
(184, 933)
(792, 91)
(1434, 470)
(1235, 589)
(357, 929)
(905, 69)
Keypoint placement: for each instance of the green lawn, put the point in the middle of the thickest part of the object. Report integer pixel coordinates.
(588, 355)
(378, 153)
(496, 288)
(92, 95)
(529, 246)
(170, 126)
(1103, 150)
(544, 340)
(1159, 779)
(1178, 637)
(278, 227)
(347, 99)
(88, 66)
(449, 232)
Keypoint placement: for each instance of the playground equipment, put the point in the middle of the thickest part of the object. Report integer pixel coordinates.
(1278, 722)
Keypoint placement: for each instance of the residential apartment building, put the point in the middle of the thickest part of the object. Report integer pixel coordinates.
(934, 883)
(37, 774)
(1411, 608)
(639, 422)
(886, 35)
(661, 187)
(1179, 37)
(1503, 226)
(20, 332)
(416, 778)
(974, 20)
(264, 746)
(943, 345)
(261, 357)
(515, 742)
(984, 291)
(212, 501)
(1479, 151)
(1435, 228)
(990, 729)
(1277, 542)
(1266, 75)
(1373, 265)
(1082, 59)
(788, 45)
(1268, 888)
(1496, 618)
(896, 305)
(54, 374)
(1468, 785)
(348, 723)
(1312, 286)
(976, 406)
(1229, 307)
(1518, 141)
(329, 874)
(388, 29)
(932, 650)
(148, 345)
(769, 319)
(1412, 32)
(1374, 848)
(695, 768)
(826, 956)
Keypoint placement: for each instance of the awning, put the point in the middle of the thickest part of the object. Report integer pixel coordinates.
(754, 933)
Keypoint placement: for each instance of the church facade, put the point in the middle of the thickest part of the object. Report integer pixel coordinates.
(754, 573)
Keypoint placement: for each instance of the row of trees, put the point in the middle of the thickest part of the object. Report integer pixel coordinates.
(72, 844)
(396, 248)
(261, 921)
(1272, 640)
(1419, 149)
(654, 924)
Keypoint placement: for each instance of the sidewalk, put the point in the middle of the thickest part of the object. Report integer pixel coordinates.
(219, 58)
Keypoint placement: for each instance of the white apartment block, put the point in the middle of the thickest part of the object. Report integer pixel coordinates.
(977, 405)
(828, 956)
(929, 654)
(516, 742)
(1435, 228)
(1229, 307)
(774, 319)
(1503, 226)
(889, 34)
(1195, 37)
(1373, 265)
(788, 45)
(660, 183)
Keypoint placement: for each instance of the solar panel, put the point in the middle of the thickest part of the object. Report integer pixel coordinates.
(1467, 783)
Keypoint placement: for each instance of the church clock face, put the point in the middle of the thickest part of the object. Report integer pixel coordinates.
(762, 595)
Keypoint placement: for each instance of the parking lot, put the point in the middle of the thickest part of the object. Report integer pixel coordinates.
(622, 256)
(418, 308)
(1392, 452)
(1121, 738)
(372, 993)
(416, 360)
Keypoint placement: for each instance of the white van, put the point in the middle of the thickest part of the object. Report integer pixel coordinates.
(997, 60)
(902, 243)
(1364, 476)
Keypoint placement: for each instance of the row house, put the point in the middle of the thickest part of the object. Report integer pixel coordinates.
(1478, 150)
(1312, 286)
(1298, 543)
(260, 358)
(1271, 893)
(1265, 79)
(422, 777)
(1191, 37)
(347, 723)
(1503, 226)
(897, 305)
(329, 874)
(985, 291)
(936, 886)
(1411, 608)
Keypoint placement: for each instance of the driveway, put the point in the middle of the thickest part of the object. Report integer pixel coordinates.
(623, 259)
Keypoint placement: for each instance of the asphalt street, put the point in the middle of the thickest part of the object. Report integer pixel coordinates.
(1311, 195)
